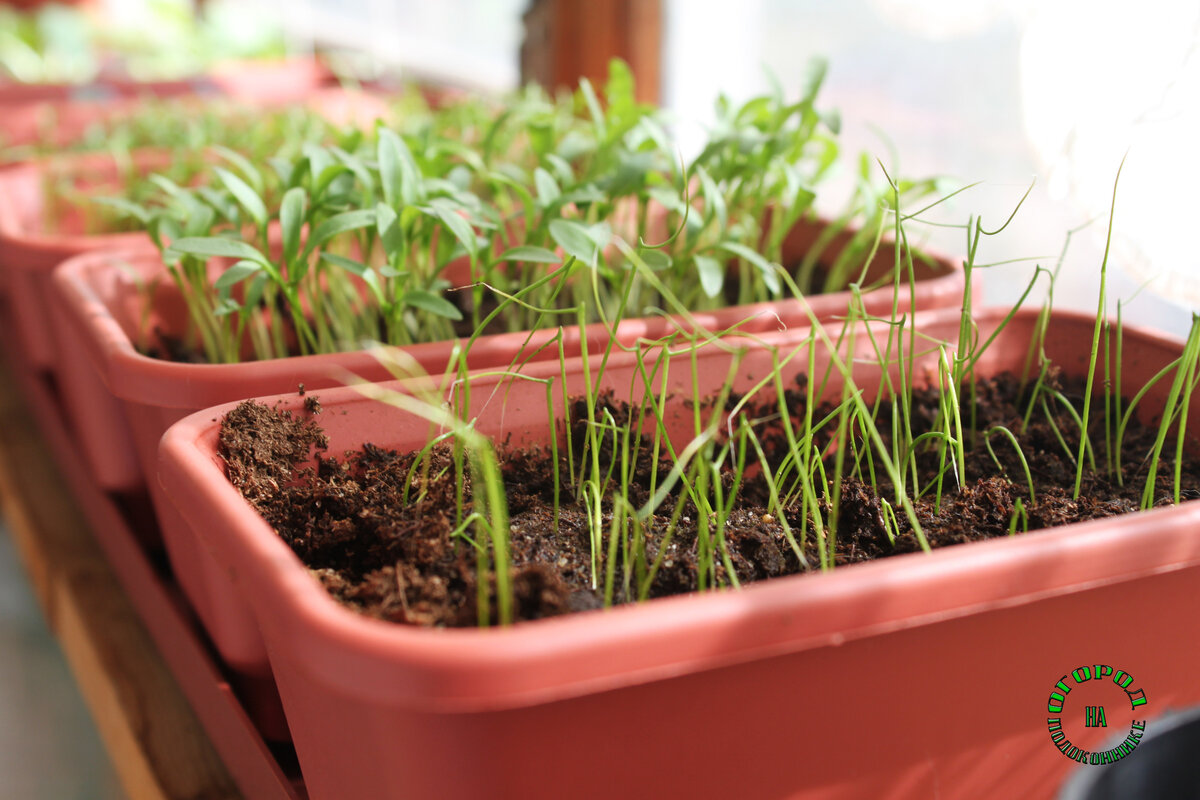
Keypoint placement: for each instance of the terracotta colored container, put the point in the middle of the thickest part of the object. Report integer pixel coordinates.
(916, 676)
(63, 123)
(102, 314)
(31, 246)
(283, 81)
(58, 123)
(273, 82)
(29, 251)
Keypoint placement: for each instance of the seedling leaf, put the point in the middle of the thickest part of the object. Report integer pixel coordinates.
(529, 253)
(427, 301)
(237, 273)
(245, 195)
(769, 276)
(576, 240)
(216, 247)
(712, 275)
(291, 220)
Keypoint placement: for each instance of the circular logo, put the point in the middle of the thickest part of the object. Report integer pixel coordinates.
(1086, 703)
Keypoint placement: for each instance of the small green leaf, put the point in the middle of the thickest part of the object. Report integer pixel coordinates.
(459, 226)
(668, 198)
(355, 165)
(712, 275)
(349, 264)
(459, 177)
(283, 169)
(652, 130)
(398, 170)
(243, 164)
(539, 255)
(832, 120)
(576, 240)
(254, 289)
(588, 193)
(460, 151)
(338, 224)
(162, 230)
(769, 276)
(126, 207)
(714, 200)
(389, 168)
(409, 216)
(360, 269)
(433, 304)
(199, 222)
(656, 260)
(391, 233)
(813, 78)
(318, 159)
(576, 145)
(245, 196)
(291, 220)
(547, 187)
(238, 272)
(593, 105)
(371, 279)
(600, 234)
(327, 177)
(619, 91)
(217, 200)
(216, 247)
(803, 201)
(561, 167)
(225, 306)
(166, 185)
(540, 129)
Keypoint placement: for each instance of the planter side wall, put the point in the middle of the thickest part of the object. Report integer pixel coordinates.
(954, 708)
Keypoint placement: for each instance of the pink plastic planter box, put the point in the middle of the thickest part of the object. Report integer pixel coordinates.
(62, 124)
(30, 250)
(916, 676)
(279, 81)
(102, 317)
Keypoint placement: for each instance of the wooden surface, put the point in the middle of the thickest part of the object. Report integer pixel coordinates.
(566, 40)
(155, 740)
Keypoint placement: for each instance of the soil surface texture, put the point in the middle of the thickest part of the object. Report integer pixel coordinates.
(378, 528)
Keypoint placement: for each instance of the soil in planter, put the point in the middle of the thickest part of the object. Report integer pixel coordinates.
(379, 534)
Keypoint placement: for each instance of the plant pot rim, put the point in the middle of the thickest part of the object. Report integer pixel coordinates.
(223, 77)
(40, 240)
(131, 375)
(471, 669)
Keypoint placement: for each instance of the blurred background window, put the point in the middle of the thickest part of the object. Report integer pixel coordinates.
(1006, 93)
(1000, 92)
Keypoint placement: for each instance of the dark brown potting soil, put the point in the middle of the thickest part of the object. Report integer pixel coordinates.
(379, 533)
